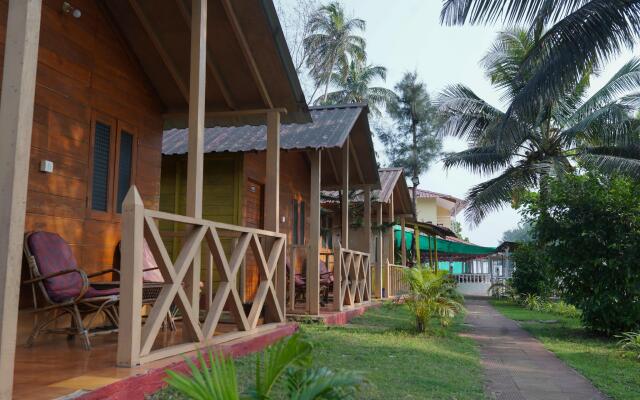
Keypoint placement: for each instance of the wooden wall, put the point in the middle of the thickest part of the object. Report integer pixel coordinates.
(295, 176)
(228, 178)
(83, 68)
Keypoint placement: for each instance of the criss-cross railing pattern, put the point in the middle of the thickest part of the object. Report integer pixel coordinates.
(136, 340)
(397, 285)
(352, 278)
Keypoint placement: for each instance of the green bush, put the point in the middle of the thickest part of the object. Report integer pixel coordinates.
(589, 226)
(286, 363)
(532, 274)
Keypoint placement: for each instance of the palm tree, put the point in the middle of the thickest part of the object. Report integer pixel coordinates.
(414, 144)
(353, 81)
(526, 148)
(432, 294)
(582, 34)
(332, 42)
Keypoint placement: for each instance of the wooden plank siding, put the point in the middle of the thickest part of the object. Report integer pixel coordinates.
(85, 68)
(221, 195)
(233, 185)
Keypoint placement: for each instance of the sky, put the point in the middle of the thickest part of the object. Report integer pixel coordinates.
(406, 35)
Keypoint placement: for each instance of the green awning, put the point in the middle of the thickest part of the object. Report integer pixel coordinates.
(445, 247)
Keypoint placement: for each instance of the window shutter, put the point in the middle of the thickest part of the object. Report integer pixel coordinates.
(100, 179)
(124, 167)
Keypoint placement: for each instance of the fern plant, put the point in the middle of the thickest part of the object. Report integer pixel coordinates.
(630, 341)
(533, 302)
(286, 363)
(432, 295)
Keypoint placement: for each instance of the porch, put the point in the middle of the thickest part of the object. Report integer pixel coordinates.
(56, 367)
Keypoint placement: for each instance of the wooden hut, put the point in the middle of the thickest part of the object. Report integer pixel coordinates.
(234, 177)
(88, 87)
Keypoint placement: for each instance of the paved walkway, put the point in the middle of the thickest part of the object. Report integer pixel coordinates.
(517, 366)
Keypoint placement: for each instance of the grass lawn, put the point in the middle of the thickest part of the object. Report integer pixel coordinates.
(597, 358)
(397, 362)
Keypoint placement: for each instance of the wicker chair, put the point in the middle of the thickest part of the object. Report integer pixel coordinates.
(65, 289)
(153, 281)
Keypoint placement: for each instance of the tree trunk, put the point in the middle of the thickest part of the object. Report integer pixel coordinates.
(326, 85)
(415, 164)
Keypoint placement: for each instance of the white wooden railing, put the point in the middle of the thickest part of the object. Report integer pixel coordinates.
(137, 342)
(352, 278)
(397, 284)
(473, 278)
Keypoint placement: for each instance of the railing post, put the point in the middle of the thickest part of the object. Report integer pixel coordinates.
(130, 320)
(337, 278)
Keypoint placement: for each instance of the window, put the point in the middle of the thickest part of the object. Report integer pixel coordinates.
(113, 167)
(325, 230)
(297, 207)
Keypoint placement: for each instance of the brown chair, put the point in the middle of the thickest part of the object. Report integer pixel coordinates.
(65, 288)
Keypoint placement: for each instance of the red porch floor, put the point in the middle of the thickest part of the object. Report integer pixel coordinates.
(330, 317)
(55, 367)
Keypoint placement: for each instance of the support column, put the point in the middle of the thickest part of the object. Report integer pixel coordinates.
(197, 82)
(272, 199)
(379, 252)
(403, 240)
(313, 256)
(344, 203)
(416, 240)
(367, 219)
(392, 245)
(16, 121)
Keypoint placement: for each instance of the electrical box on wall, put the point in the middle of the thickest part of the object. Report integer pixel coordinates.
(46, 166)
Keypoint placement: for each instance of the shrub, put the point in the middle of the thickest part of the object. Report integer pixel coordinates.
(589, 226)
(630, 341)
(532, 274)
(287, 361)
(564, 309)
(432, 295)
(533, 302)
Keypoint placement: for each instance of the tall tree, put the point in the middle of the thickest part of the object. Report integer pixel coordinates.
(332, 41)
(525, 148)
(581, 34)
(412, 143)
(354, 86)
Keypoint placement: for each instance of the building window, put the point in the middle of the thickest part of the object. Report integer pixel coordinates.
(298, 217)
(113, 167)
(326, 231)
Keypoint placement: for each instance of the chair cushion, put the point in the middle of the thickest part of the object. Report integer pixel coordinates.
(93, 292)
(53, 254)
(153, 273)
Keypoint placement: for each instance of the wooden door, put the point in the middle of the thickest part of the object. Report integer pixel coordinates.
(254, 218)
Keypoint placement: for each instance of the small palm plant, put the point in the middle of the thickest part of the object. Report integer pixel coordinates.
(287, 362)
(432, 295)
(533, 302)
(630, 341)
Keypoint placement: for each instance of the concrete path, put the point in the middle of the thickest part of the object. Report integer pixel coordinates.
(517, 366)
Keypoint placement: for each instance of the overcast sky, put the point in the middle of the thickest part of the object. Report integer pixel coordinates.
(406, 35)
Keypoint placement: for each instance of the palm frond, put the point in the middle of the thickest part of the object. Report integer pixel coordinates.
(216, 382)
(494, 194)
(614, 159)
(481, 160)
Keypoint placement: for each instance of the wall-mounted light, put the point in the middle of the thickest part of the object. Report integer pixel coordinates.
(68, 9)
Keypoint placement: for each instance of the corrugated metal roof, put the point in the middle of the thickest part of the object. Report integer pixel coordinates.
(388, 179)
(330, 128)
(422, 194)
